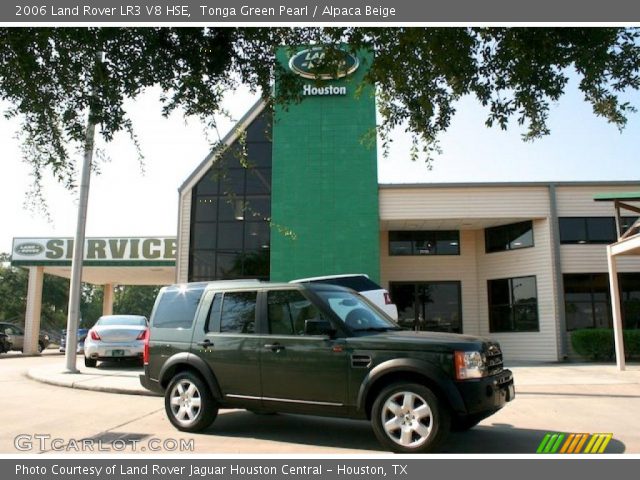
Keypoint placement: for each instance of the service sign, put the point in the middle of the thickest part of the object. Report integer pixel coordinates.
(57, 251)
(307, 64)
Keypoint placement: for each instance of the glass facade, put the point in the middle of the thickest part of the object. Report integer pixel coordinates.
(513, 305)
(433, 306)
(508, 237)
(424, 242)
(588, 302)
(231, 210)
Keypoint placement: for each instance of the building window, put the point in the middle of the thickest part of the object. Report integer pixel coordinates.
(433, 306)
(585, 230)
(231, 210)
(587, 300)
(508, 237)
(424, 242)
(513, 305)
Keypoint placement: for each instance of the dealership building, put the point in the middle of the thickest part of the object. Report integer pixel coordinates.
(294, 193)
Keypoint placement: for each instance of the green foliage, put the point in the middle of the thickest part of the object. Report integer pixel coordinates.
(598, 344)
(13, 298)
(90, 304)
(51, 79)
(135, 299)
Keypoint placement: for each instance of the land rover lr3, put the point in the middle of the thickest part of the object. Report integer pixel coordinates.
(316, 349)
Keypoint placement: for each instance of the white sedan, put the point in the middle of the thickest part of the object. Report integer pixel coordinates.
(115, 337)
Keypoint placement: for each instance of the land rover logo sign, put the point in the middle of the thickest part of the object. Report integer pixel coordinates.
(30, 248)
(305, 64)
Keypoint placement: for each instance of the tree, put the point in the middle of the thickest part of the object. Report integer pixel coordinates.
(135, 299)
(13, 297)
(49, 76)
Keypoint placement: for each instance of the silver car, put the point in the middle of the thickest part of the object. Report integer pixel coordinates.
(15, 337)
(116, 337)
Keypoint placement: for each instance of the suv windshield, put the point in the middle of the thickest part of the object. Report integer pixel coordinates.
(356, 313)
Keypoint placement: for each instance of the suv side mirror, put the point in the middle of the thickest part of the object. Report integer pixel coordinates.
(319, 327)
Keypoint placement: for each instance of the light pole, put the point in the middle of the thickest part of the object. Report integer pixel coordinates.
(78, 244)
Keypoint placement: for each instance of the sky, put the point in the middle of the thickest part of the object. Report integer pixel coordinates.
(126, 201)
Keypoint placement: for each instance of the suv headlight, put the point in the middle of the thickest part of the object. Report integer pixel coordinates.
(469, 365)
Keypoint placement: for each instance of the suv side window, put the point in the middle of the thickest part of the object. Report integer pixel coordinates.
(288, 312)
(213, 319)
(176, 308)
(238, 313)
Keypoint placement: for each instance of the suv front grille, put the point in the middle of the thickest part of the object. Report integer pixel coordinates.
(494, 358)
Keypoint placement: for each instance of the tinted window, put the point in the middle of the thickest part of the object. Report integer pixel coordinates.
(432, 306)
(509, 237)
(588, 304)
(213, 319)
(177, 307)
(424, 242)
(358, 283)
(288, 312)
(587, 230)
(513, 305)
(238, 312)
(231, 210)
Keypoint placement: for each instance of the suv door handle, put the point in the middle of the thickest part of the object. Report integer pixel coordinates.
(274, 347)
(206, 343)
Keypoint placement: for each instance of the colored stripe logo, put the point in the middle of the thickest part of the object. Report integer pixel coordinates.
(556, 442)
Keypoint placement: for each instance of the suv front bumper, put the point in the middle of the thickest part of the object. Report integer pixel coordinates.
(489, 394)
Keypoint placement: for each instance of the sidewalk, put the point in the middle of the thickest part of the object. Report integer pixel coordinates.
(123, 377)
(107, 377)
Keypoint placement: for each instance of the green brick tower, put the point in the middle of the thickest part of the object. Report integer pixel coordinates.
(324, 205)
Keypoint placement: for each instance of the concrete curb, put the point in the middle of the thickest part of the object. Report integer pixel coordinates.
(106, 383)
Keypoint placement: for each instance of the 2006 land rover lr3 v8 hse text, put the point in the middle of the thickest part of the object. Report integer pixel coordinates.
(316, 349)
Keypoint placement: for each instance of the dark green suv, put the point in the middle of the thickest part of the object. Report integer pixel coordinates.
(320, 350)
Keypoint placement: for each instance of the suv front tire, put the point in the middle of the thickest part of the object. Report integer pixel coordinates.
(409, 418)
(189, 403)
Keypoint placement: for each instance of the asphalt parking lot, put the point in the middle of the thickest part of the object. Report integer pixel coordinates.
(550, 398)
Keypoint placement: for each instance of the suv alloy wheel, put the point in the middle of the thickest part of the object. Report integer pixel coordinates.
(189, 403)
(408, 418)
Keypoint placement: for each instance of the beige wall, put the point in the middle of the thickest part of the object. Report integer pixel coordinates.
(577, 201)
(184, 233)
(446, 203)
(537, 261)
(438, 268)
(473, 267)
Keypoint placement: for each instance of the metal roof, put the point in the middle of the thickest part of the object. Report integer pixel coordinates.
(593, 183)
(611, 197)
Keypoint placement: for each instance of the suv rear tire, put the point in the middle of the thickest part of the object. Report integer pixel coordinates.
(409, 418)
(189, 403)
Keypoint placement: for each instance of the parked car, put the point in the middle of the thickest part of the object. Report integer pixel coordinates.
(5, 344)
(82, 335)
(362, 284)
(15, 336)
(115, 337)
(318, 349)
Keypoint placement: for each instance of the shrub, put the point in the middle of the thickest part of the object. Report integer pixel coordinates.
(597, 343)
